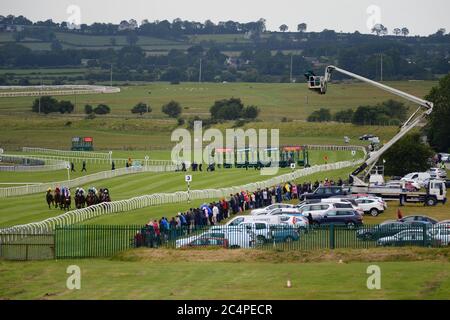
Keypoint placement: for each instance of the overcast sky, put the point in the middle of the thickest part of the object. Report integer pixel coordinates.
(421, 17)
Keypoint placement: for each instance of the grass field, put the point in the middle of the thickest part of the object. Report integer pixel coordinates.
(29, 208)
(235, 274)
(292, 101)
(123, 130)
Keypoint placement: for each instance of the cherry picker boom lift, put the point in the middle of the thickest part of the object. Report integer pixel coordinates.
(320, 85)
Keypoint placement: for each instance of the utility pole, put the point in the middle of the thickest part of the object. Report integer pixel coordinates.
(40, 95)
(200, 72)
(291, 67)
(381, 68)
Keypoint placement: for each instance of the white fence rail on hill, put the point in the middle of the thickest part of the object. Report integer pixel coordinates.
(68, 153)
(80, 215)
(29, 189)
(35, 163)
(56, 90)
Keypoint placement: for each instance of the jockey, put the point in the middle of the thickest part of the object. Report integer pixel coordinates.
(49, 190)
(57, 190)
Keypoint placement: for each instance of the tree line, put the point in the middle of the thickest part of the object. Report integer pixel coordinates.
(390, 112)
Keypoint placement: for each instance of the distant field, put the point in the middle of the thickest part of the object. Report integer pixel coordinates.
(123, 130)
(292, 101)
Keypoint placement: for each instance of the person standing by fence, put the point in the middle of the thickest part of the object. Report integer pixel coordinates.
(84, 166)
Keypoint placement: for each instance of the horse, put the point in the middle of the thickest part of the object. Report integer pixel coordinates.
(80, 200)
(49, 198)
(91, 199)
(57, 199)
(66, 202)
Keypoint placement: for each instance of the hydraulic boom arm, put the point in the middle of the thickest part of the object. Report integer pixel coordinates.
(320, 84)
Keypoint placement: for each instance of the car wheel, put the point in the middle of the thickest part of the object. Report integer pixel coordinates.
(260, 239)
(374, 212)
(350, 225)
(367, 237)
(288, 239)
(431, 202)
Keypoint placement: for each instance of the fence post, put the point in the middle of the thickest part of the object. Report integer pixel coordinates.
(332, 237)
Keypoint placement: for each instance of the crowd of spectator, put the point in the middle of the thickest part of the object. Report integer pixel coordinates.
(208, 214)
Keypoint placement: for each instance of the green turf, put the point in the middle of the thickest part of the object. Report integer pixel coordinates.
(29, 208)
(106, 279)
(282, 100)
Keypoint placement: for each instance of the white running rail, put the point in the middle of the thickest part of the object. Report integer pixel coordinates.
(77, 216)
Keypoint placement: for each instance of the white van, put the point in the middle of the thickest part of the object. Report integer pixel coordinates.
(270, 219)
(419, 177)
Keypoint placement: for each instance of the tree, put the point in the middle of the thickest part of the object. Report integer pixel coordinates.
(102, 109)
(405, 31)
(438, 128)
(141, 108)
(65, 106)
(172, 109)
(413, 153)
(321, 115)
(302, 27)
(379, 29)
(56, 45)
(45, 104)
(250, 112)
(227, 109)
(88, 109)
(344, 116)
(284, 28)
(132, 38)
(397, 31)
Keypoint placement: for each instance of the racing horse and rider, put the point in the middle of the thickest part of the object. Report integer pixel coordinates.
(49, 198)
(80, 198)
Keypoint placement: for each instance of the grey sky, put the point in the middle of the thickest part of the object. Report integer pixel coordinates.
(421, 17)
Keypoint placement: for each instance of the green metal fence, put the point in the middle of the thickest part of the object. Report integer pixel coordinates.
(84, 241)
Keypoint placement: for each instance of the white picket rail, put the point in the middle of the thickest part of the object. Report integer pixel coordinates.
(29, 189)
(68, 153)
(80, 215)
(47, 164)
(54, 90)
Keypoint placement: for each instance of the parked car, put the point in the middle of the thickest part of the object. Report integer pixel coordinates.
(408, 185)
(260, 229)
(409, 238)
(345, 217)
(317, 209)
(345, 199)
(284, 233)
(236, 238)
(366, 137)
(371, 205)
(384, 229)
(207, 242)
(445, 222)
(445, 157)
(441, 233)
(281, 211)
(419, 218)
(296, 220)
(418, 177)
(437, 173)
(267, 209)
(324, 192)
